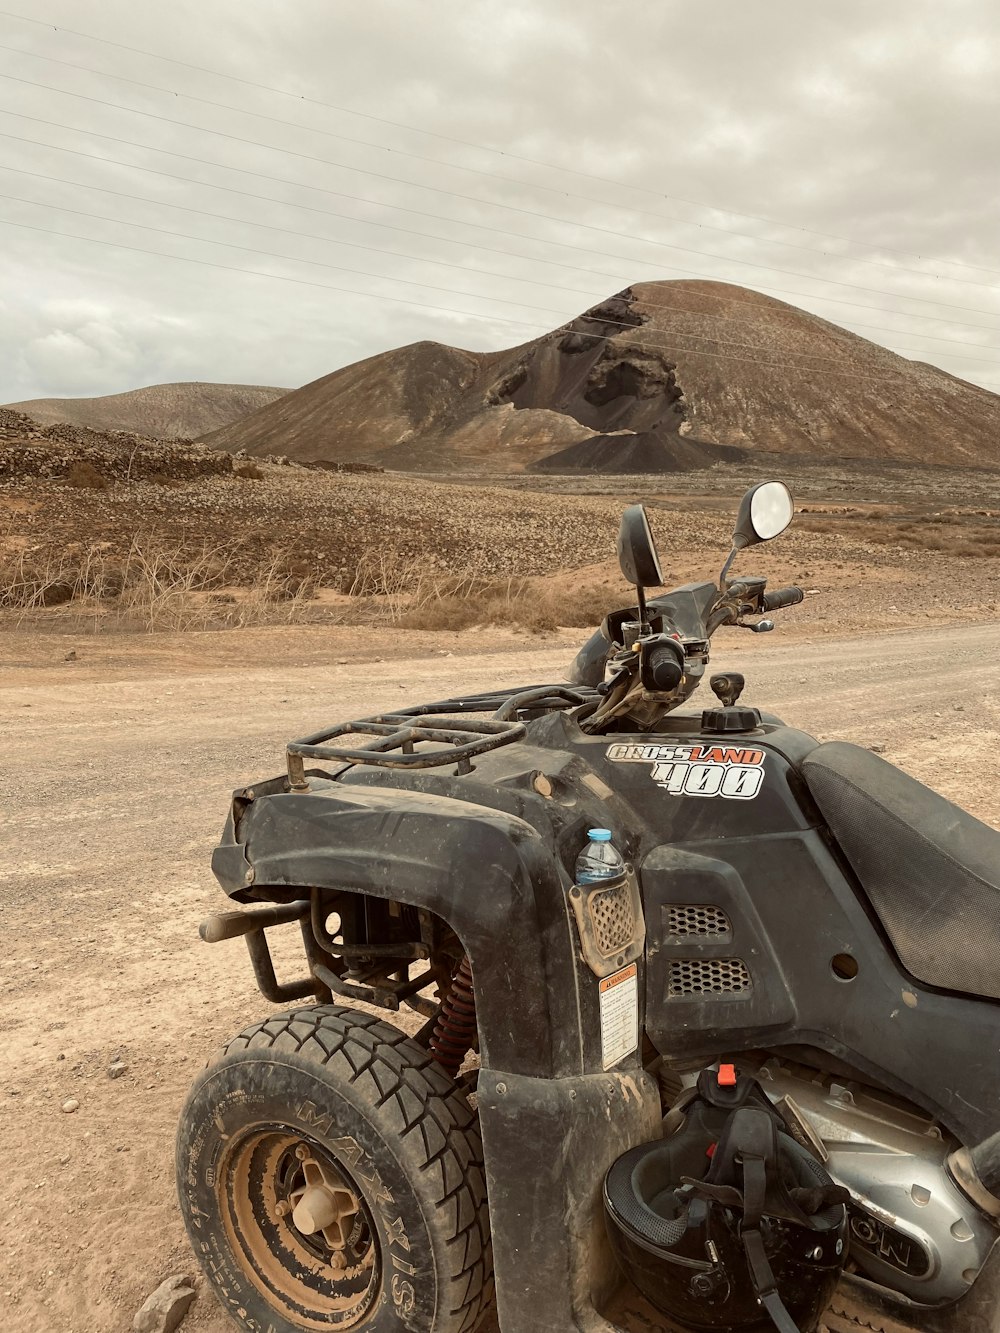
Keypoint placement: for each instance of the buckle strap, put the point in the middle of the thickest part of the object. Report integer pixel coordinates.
(761, 1273)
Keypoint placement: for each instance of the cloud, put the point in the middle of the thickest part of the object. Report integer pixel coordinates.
(875, 123)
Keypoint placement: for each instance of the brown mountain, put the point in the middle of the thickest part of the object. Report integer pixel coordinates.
(163, 411)
(663, 376)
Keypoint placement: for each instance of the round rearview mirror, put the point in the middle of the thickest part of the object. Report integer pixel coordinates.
(765, 511)
(637, 558)
(770, 509)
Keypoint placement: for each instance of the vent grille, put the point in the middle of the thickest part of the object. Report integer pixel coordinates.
(707, 976)
(613, 918)
(697, 921)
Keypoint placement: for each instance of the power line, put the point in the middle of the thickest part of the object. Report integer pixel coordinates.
(489, 203)
(290, 259)
(472, 314)
(308, 208)
(477, 226)
(478, 171)
(385, 277)
(229, 245)
(515, 157)
(291, 231)
(461, 268)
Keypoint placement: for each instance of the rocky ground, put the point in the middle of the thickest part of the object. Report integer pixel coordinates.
(121, 748)
(118, 767)
(886, 545)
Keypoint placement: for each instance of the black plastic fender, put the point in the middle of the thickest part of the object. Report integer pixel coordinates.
(489, 874)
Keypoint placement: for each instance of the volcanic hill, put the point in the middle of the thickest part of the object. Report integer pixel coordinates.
(163, 411)
(662, 377)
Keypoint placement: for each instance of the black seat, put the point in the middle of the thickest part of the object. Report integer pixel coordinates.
(931, 871)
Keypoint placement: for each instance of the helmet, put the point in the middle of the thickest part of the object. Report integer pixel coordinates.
(729, 1223)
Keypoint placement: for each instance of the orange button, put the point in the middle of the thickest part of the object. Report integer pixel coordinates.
(727, 1076)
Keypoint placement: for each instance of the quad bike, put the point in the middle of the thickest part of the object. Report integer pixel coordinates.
(753, 1074)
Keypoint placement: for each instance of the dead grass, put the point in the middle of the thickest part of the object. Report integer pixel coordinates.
(152, 587)
(159, 587)
(402, 593)
(956, 534)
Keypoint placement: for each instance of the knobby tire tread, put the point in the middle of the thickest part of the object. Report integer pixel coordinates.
(328, 1035)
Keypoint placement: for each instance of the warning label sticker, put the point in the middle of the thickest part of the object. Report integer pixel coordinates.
(619, 1015)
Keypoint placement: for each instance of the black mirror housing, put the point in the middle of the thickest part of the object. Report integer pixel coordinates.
(765, 512)
(637, 558)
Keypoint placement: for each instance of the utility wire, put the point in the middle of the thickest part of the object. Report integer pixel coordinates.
(408, 282)
(472, 314)
(461, 268)
(290, 259)
(314, 263)
(514, 157)
(478, 226)
(478, 171)
(489, 203)
(305, 235)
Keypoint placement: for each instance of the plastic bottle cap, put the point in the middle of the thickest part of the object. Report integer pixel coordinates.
(599, 835)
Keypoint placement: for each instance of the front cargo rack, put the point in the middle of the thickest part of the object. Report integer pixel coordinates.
(453, 739)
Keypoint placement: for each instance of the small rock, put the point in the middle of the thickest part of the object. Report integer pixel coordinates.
(71, 655)
(117, 1068)
(71, 1105)
(877, 749)
(960, 708)
(64, 1159)
(163, 1311)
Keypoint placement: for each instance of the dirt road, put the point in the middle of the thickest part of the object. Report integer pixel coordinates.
(116, 770)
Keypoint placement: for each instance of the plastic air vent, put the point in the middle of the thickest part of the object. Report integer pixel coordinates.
(687, 921)
(707, 976)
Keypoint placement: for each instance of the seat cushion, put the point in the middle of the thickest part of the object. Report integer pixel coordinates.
(930, 871)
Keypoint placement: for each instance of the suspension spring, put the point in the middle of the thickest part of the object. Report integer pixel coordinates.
(455, 1030)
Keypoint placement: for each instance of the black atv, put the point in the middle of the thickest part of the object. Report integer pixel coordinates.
(750, 1073)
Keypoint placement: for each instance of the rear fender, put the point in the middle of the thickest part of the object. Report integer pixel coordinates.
(488, 874)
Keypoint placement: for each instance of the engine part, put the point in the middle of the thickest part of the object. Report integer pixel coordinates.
(911, 1228)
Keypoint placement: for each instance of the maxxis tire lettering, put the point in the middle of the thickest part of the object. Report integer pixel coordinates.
(382, 1108)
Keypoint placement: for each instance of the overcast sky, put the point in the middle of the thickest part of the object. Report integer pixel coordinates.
(843, 157)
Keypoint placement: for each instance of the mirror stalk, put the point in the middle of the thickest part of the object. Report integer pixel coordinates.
(641, 601)
(739, 544)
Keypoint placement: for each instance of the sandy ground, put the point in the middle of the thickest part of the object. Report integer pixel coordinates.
(116, 770)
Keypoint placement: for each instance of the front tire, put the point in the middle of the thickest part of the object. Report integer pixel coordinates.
(331, 1178)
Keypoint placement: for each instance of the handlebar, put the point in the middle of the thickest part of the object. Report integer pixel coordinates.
(781, 597)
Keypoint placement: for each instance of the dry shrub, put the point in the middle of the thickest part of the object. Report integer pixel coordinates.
(85, 477)
(248, 471)
(155, 586)
(400, 592)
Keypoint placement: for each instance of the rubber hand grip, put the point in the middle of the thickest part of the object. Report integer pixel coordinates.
(774, 601)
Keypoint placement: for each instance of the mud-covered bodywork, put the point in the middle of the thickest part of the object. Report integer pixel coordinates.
(748, 858)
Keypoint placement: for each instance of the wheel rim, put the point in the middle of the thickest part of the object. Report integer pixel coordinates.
(299, 1226)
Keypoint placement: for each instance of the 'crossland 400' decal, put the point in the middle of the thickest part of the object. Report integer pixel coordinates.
(699, 770)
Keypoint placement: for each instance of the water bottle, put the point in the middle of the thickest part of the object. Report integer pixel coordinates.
(600, 860)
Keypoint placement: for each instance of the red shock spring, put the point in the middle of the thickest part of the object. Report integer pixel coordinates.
(455, 1030)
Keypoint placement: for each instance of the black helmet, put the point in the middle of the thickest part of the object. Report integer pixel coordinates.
(729, 1223)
